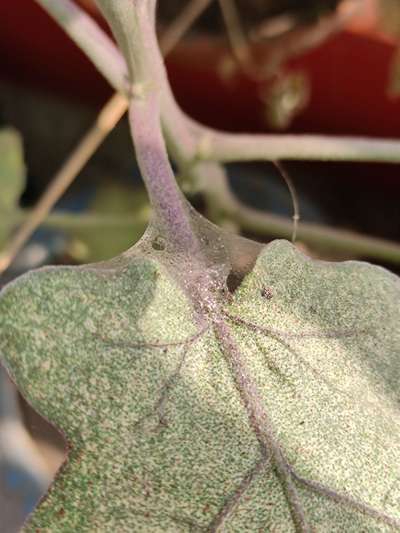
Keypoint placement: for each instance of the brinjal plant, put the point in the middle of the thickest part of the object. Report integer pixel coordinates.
(202, 381)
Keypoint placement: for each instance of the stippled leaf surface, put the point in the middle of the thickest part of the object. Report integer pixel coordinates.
(12, 178)
(162, 436)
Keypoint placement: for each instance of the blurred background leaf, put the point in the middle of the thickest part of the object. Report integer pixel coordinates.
(117, 233)
(12, 179)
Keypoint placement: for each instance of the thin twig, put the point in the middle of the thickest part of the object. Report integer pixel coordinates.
(295, 39)
(295, 202)
(239, 43)
(223, 203)
(236, 35)
(68, 220)
(107, 119)
(105, 122)
(181, 24)
(263, 224)
(322, 238)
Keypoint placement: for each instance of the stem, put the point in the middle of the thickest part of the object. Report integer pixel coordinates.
(184, 135)
(88, 35)
(108, 117)
(236, 35)
(125, 18)
(105, 122)
(223, 203)
(217, 146)
(165, 196)
(229, 147)
(180, 25)
(133, 25)
(293, 195)
(319, 237)
(65, 220)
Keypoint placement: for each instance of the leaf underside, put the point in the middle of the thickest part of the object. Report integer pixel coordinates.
(120, 360)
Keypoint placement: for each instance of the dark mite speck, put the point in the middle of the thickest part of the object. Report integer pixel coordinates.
(266, 292)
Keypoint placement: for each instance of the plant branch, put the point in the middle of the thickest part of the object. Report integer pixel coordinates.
(133, 22)
(293, 195)
(322, 238)
(330, 148)
(181, 24)
(236, 34)
(166, 199)
(184, 146)
(66, 220)
(90, 38)
(290, 41)
(108, 117)
(105, 122)
(215, 145)
(229, 147)
(224, 204)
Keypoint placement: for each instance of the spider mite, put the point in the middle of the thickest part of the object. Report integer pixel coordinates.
(267, 293)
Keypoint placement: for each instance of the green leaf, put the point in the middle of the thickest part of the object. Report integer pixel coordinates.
(112, 198)
(12, 178)
(272, 409)
(12, 168)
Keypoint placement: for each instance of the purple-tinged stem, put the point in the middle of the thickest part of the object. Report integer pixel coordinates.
(183, 132)
(167, 201)
(133, 24)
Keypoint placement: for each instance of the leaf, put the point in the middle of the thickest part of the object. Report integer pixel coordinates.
(12, 178)
(274, 409)
(112, 198)
(12, 168)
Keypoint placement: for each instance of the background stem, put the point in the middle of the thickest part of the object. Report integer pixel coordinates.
(185, 138)
(108, 117)
(88, 35)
